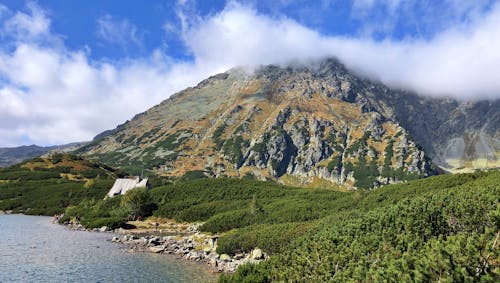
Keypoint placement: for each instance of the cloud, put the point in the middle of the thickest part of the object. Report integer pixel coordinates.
(50, 94)
(459, 61)
(28, 26)
(58, 97)
(118, 32)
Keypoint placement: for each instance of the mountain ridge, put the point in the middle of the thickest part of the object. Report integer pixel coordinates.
(303, 126)
(14, 155)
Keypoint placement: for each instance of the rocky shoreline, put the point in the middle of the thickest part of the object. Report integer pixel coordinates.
(197, 247)
(183, 241)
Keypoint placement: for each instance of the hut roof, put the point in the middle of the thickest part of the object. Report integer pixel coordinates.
(121, 186)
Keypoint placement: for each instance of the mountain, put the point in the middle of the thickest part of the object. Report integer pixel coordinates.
(47, 185)
(13, 155)
(319, 125)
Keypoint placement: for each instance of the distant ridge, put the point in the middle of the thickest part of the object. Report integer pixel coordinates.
(13, 155)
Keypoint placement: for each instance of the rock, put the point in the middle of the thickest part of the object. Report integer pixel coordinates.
(256, 254)
(230, 267)
(193, 256)
(168, 238)
(213, 255)
(103, 229)
(207, 250)
(155, 241)
(141, 241)
(212, 262)
(115, 239)
(157, 249)
(225, 257)
(239, 256)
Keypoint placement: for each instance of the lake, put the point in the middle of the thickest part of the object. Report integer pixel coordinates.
(33, 249)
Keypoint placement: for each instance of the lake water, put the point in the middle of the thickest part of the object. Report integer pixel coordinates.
(33, 249)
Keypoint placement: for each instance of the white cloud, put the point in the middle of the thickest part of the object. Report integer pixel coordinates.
(59, 97)
(119, 32)
(459, 62)
(28, 26)
(52, 95)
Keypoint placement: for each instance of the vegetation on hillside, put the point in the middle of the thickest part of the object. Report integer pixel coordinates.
(45, 186)
(442, 228)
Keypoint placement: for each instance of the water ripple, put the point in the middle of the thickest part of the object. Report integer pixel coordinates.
(32, 249)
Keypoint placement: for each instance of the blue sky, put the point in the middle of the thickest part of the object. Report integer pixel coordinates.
(115, 29)
(71, 69)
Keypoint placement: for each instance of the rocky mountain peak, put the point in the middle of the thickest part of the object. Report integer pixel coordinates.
(317, 125)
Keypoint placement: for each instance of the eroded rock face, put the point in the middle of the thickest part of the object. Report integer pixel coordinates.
(299, 125)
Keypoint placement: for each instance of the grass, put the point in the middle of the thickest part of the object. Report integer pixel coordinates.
(48, 186)
(441, 228)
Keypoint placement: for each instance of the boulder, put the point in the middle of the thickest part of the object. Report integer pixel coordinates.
(103, 229)
(256, 254)
(225, 257)
(207, 250)
(157, 249)
(193, 256)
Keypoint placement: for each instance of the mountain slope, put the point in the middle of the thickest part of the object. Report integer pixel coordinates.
(48, 185)
(308, 126)
(13, 155)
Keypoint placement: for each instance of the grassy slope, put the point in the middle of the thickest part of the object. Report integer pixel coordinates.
(437, 229)
(45, 186)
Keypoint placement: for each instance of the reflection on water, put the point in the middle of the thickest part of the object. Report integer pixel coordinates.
(32, 249)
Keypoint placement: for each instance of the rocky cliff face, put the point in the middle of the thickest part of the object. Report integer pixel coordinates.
(308, 126)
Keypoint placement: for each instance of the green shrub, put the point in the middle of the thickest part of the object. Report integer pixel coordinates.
(139, 202)
(193, 175)
(111, 223)
(271, 238)
(436, 229)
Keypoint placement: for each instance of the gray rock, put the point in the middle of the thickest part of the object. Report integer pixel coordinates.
(239, 256)
(156, 249)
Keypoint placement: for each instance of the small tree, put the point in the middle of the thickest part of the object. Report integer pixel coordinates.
(255, 207)
(138, 201)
